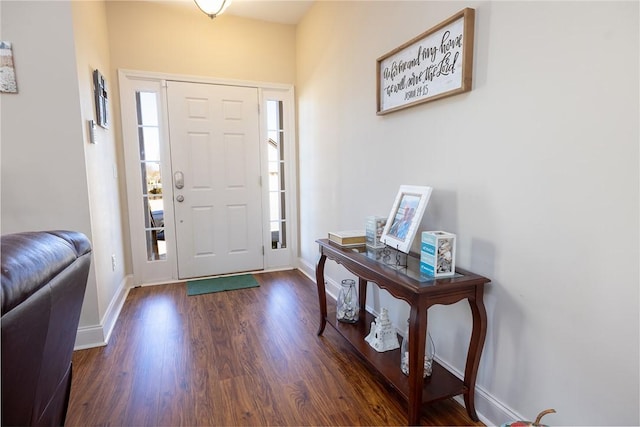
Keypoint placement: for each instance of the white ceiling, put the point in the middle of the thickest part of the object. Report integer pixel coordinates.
(282, 11)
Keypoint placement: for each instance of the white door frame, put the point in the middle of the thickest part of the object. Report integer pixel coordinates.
(166, 271)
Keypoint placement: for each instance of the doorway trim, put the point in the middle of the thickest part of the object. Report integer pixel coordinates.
(165, 271)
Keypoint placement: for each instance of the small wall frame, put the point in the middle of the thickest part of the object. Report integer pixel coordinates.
(436, 64)
(101, 98)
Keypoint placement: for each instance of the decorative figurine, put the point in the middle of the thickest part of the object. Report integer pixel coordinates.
(383, 336)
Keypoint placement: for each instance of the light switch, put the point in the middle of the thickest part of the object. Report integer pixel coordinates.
(92, 132)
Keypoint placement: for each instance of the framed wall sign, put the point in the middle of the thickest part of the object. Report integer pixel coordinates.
(405, 217)
(436, 64)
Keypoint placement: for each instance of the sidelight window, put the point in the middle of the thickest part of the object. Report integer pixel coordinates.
(150, 164)
(276, 163)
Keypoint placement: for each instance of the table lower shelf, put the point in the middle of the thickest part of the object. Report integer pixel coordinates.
(442, 384)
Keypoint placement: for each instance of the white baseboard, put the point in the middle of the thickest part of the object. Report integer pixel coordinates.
(89, 337)
(490, 410)
(98, 335)
(307, 269)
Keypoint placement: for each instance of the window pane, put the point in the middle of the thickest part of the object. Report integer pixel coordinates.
(278, 235)
(147, 213)
(149, 143)
(281, 146)
(282, 176)
(151, 179)
(275, 235)
(147, 109)
(274, 135)
(272, 115)
(282, 206)
(272, 153)
(156, 248)
(274, 211)
(283, 235)
(273, 172)
(144, 179)
(153, 212)
(272, 147)
(156, 210)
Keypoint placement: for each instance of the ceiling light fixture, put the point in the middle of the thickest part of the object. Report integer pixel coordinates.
(212, 8)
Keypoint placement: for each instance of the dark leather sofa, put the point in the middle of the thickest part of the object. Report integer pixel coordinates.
(44, 276)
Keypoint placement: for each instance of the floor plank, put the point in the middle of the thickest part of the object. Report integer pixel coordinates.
(248, 357)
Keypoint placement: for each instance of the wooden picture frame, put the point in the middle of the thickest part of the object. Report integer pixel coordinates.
(405, 217)
(436, 64)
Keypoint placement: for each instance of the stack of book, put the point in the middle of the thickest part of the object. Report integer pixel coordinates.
(348, 238)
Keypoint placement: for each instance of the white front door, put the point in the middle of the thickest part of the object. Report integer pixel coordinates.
(215, 158)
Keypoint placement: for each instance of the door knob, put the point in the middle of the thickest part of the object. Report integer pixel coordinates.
(180, 198)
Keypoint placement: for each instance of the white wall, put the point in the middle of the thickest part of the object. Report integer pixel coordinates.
(44, 181)
(52, 178)
(101, 162)
(535, 170)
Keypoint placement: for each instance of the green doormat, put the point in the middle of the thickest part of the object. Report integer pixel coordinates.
(218, 284)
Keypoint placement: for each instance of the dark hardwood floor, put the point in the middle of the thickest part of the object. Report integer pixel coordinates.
(246, 357)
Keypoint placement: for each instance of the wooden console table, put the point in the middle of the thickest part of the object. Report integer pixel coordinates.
(421, 293)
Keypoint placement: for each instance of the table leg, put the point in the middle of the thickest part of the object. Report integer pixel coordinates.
(362, 295)
(322, 295)
(417, 337)
(476, 343)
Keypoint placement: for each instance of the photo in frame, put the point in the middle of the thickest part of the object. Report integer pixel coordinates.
(405, 216)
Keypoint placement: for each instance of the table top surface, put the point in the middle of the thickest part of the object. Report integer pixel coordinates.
(395, 265)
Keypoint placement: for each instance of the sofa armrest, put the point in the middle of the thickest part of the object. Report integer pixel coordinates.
(44, 277)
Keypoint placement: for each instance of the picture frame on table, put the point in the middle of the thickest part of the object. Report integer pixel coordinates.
(405, 216)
